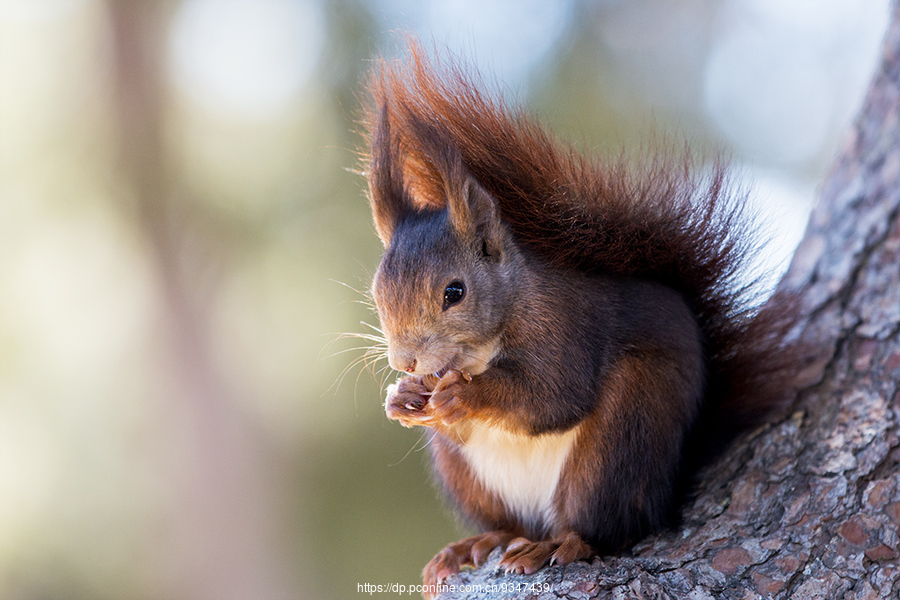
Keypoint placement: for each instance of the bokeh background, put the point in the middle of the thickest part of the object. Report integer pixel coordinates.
(182, 244)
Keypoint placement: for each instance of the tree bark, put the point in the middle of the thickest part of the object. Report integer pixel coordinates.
(808, 506)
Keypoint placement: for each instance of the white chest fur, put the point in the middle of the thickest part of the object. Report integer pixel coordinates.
(522, 469)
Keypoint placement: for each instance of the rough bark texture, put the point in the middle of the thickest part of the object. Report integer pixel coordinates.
(809, 506)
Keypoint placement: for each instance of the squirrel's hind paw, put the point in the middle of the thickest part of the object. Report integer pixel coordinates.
(526, 557)
(471, 552)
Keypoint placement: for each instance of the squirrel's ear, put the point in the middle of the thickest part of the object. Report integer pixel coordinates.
(474, 213)
(387, 195)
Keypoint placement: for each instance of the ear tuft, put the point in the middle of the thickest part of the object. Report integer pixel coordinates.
(387, 194)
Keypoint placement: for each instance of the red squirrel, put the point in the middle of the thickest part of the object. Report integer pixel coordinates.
(574, 333)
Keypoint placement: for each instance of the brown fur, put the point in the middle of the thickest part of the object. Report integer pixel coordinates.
(609, 296)
(660, 221)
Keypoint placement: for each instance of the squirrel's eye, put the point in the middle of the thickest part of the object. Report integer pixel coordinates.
(453, 293)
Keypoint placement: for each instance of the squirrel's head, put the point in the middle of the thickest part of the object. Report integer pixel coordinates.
(445, 284)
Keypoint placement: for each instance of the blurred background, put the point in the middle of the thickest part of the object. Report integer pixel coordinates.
(182, 244)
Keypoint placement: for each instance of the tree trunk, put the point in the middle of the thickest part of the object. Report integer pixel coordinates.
(808, 506)
(217, 533)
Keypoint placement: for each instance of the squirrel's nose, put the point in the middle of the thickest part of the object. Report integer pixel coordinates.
(402, 361)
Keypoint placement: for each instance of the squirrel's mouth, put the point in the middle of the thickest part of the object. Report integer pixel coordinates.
(442, 372)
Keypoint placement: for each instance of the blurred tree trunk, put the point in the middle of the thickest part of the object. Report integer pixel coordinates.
(809, 506)
(217, 537)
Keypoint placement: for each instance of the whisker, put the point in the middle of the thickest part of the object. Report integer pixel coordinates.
(368, 350)
(414, 449)
(346, 350)
(370, 356)
(366, 337)
(372, 327)
(363, 293)
(385, 372)
(361, 360)
(362, 335)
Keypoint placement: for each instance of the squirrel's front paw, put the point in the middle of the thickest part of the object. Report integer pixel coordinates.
(406, 402)
(447, 404)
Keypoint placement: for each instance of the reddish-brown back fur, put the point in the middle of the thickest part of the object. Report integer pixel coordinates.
(664, 221)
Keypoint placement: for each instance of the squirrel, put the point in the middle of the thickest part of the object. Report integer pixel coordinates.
(576, 335)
